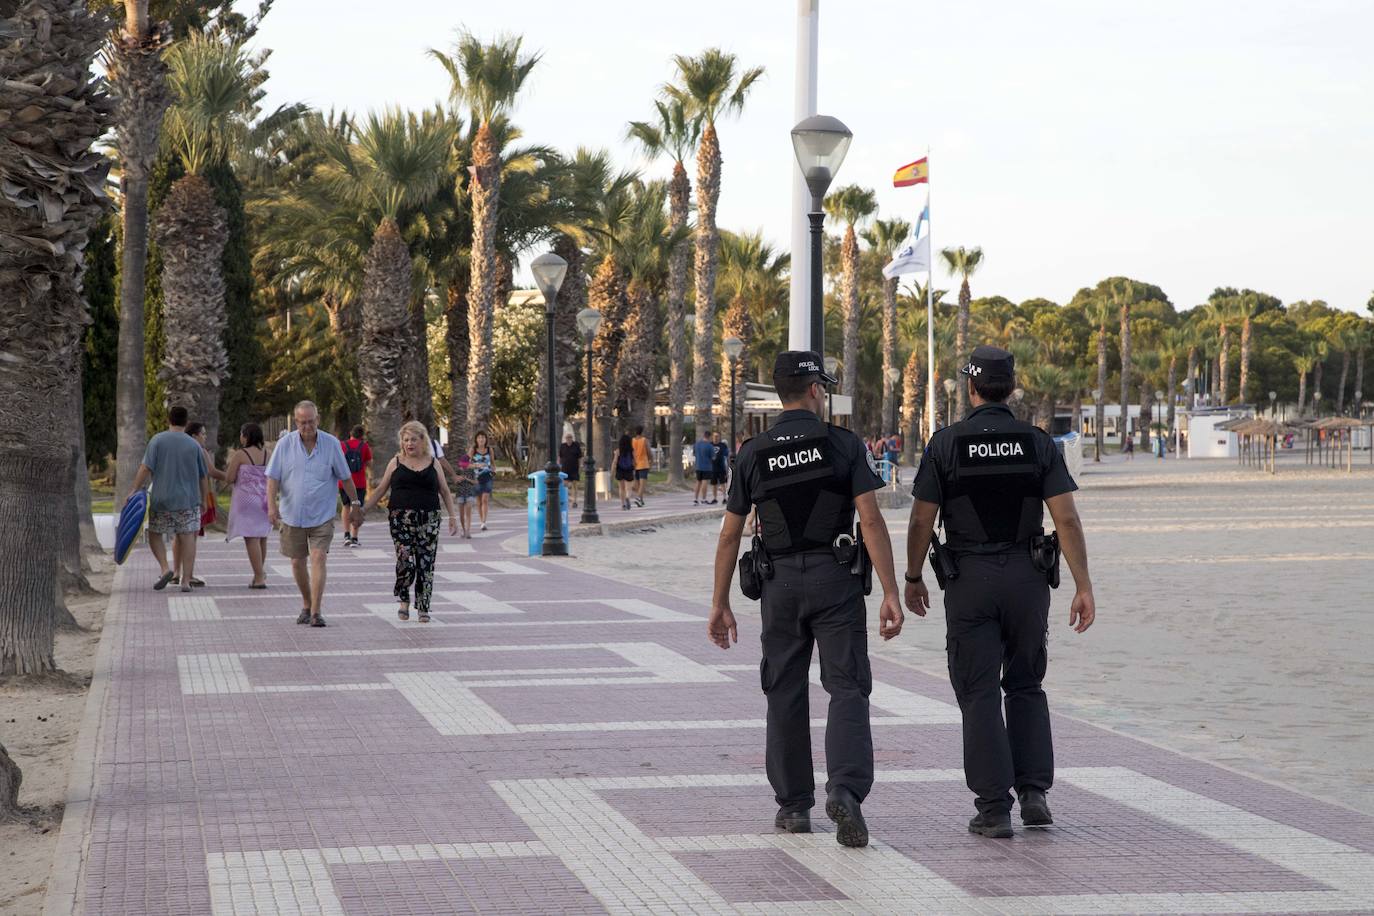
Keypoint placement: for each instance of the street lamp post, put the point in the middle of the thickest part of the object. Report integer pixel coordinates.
(894, 375)
(549, 270)
(1274, 406)
(733, 348)
(1097, 426)
(588, 320)
(820, 143)
(949, 400)
(832, 366)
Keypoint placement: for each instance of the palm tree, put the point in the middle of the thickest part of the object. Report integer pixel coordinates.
(1346, 335)
(708, 88)
(851, 205)
(1100, 312)
(216, 87)
(1045, 380)
(674, 134)
(606, 292)
(51, 199)
(1219, 312)
(487, 78)
(1080, 380)
(1245, 310)
(884, 237)
(1150, 363)
(1303, 362)
(379, 173)
(750, 270)
(963, 263)
(137, 77)
(1177, 341)
(1123, 294)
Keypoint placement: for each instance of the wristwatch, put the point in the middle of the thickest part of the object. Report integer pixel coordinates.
(356, 502)
(912, 579)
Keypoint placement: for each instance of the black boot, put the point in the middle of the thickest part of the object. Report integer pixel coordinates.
(843, 808)
(996, 826)
(793, 821)
(1035, 810)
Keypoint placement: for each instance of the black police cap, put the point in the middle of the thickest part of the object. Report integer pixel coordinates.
(990, 364)
(796, 363)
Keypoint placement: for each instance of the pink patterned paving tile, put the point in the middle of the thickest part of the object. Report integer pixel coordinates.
(759, 876)
(442, 888)
(700, 812)
(620, 702)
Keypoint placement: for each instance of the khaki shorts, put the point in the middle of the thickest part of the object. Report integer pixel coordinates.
(297, 543)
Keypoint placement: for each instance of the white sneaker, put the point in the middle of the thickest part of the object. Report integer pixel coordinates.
(484, 526)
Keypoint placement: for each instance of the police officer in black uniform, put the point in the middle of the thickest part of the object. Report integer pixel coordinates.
(988, 476)
(805, 478)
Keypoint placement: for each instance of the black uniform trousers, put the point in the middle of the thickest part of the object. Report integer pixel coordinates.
(812, 599)
(997, 615)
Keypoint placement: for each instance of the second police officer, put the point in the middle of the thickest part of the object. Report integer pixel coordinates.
(988, 478)
(805, 479)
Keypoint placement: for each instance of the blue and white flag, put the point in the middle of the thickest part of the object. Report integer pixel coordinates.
(913, 257)
(923, 218)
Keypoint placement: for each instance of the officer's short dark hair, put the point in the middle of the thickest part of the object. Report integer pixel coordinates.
(178, 416)
(996, 391)
(793, 387)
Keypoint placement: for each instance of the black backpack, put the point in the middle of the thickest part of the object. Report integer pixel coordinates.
(354, 456)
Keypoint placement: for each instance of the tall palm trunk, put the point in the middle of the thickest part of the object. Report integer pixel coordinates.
(1223, 364)
(419, 396)
(485, 188)
(1171, 382)
(849, 261)
(1317, 384)
(386, 314)
(679, 366)
(1302, 391)
(1147, 402)
(1359, 380)
(606, 294)
(1244, 360)
(1192, 374)
(1100, 414)
(889, 344)
(1125, 371)
(636, 376)
(911, 406)
(459, 349)
(191, 230)
(961, 346)
(138, 85)
(51, 199)
(572, 298)
(1340, 390)
(738, 323)
(707, 255)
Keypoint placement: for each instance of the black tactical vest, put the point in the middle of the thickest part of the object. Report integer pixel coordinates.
(802, 496)
(992, 493)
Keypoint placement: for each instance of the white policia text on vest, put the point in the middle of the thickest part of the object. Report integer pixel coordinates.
(995, 449)
(795, 459)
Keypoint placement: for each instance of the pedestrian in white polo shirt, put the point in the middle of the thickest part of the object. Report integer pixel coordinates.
(303, 478)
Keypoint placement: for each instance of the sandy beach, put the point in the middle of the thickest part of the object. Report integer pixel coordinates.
(1234, 614)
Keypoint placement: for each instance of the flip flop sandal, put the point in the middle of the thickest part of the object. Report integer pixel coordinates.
(161, 583)
(424, 618)
(259, 585)
(403, 614)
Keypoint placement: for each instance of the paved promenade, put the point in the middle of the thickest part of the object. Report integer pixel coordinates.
(554, 742)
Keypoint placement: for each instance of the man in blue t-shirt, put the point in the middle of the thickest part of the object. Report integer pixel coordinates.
(704, 454)
(180, 493)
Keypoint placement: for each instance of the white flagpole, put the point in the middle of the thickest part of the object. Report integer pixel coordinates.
(930, 310)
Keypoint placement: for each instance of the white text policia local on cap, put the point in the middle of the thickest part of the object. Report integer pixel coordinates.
(794, 459)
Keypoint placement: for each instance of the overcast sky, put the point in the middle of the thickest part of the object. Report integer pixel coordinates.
(1188, 143)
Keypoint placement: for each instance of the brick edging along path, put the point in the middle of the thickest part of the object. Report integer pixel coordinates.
(558, 742)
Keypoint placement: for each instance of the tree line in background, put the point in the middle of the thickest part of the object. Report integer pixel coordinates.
(366, 260)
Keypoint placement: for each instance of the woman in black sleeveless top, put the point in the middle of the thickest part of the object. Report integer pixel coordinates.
(416, 486)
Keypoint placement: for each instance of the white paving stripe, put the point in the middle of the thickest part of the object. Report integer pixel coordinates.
(511, 569)
(480, 603)
(293, 881)
(213, 673)
(194, 607)
(461, 578)
(647, 610)
(907, 705)
(449, 706)
(387, 614)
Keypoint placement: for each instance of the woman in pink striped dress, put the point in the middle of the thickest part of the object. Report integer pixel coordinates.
(248, 508)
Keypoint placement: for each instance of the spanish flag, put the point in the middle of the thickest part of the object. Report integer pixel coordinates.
(917, 172)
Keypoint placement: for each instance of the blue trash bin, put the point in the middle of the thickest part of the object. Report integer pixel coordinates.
(536, 500)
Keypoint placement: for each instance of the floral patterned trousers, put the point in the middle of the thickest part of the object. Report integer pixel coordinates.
(416, 535)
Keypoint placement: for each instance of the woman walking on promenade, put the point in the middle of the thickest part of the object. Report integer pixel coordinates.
(486, 475)
(569, 462)
(625, 469)
(416, 486)
(465, 492)
(248, 507)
